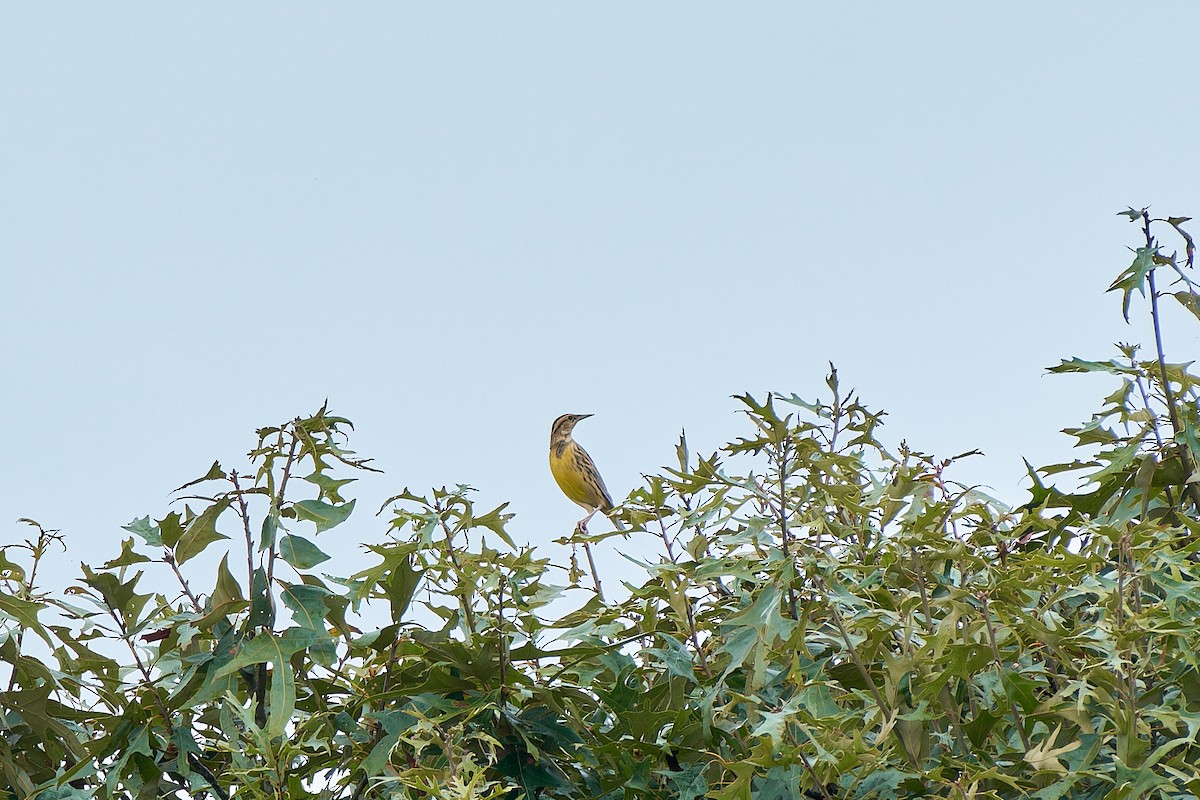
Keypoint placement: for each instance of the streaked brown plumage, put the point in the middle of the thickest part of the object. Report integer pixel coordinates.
(574, 471)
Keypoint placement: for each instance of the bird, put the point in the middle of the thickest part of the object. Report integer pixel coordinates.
(575, 472)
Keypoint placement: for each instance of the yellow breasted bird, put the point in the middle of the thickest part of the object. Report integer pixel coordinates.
(576, 474)
(574, 470)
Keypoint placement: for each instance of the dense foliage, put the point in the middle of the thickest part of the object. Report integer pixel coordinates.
(823, 616)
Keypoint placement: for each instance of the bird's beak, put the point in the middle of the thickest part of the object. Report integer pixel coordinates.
(585, 416)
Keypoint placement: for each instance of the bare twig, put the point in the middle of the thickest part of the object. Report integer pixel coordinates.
(1185, 453)
(806, 763)
(1141, 385)
(587, 549)
(1129, 684)
(782, 466)
(1018, 721)
(884, 709)
(169, 558)
(244, 513)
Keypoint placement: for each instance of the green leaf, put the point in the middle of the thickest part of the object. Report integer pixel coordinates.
(324, 515)
(738, 645)
(400, 585)
(214, 473)
(200, 532)
(144, 529)
(774, 723)
(270, 526)
(117, 596)
(227, 595)
(267, 648)
(170, 528)
(1134, 278)
(300, 553)
(329, 486)
(335, 608)
(1190, 301)
(1112, 367)
(739, 787)
(495, 520)
(690, 783)
(10, 570)
(262, 606)
(229, 644)
(377, 760)
(681, 451)
(127, 557)
(1143, 479)
(307, 604)
(675, 657)
(981, 726)
(883, 784)
(26, 613)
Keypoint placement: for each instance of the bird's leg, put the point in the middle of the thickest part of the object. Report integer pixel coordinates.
(581, 526)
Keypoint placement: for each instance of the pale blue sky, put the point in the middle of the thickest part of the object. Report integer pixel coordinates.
(457, 221)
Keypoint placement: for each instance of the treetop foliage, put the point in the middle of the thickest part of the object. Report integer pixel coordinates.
(823, 616)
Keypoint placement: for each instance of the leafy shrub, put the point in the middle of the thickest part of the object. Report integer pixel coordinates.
(823, 616)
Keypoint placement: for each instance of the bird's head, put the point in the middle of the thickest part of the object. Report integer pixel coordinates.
(563, 426)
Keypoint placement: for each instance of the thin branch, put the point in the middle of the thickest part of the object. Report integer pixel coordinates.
(287, 470)
(1141, 385)
(277, 503)
(884, 709)
(1018, 721)
(806, 763)
(462, 594)
(503, 637)
(1185, 452)
(1129, 684)
(169, 558)
(587, 549)
(782, 466)
(244, 512)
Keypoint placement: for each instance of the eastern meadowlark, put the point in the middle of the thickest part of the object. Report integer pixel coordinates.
(574, 470)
